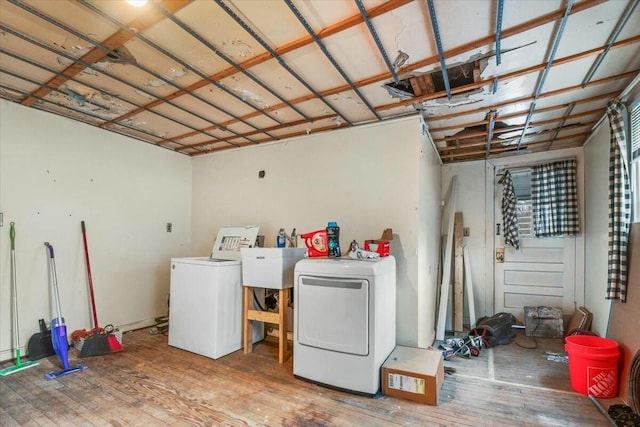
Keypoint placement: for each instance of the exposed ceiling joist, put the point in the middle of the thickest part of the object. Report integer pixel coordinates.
(205, 76)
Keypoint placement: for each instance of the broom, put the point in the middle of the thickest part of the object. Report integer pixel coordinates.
(99, 340)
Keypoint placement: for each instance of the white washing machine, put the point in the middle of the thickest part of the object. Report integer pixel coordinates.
(205, 303)
(344, 321)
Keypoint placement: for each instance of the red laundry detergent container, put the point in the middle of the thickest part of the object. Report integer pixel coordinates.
(593, 365)
(316, 242)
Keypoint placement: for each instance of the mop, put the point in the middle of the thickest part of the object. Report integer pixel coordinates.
(16, 330)
(59, 329)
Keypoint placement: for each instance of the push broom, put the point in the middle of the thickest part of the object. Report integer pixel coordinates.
(59, 329)
(20, 365)
(99, 340)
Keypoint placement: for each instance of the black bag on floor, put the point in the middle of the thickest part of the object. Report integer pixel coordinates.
(495, 330)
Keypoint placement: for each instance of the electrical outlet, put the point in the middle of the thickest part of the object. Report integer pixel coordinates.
(466, 232)
(169, 227)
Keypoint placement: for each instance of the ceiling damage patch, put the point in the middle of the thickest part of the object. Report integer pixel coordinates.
(466, 73)
(144, 94)
(120, 55)
(140, 125)
(10, 93)
(93, 102)
(472, 134)
(237, 49)
(170, 76)
(250, 96)
(400, 60)
(425, 83)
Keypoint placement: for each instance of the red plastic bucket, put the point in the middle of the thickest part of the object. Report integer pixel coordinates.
(593, 365)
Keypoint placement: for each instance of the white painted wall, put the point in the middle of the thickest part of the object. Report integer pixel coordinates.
(54, 173)
(367, 179)
(596, 155)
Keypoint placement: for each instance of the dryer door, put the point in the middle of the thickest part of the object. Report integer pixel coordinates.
(333, 314)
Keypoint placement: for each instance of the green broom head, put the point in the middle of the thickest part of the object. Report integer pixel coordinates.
(19, 366)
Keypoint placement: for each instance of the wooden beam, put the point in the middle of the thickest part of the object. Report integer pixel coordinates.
(342, 25)
(516, 127)
(521, 113)
(495, 150)
(431, 95)
(511, 75)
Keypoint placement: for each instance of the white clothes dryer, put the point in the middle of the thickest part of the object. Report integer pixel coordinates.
(344, 321)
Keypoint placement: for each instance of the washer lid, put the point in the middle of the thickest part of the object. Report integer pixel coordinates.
(232, 238)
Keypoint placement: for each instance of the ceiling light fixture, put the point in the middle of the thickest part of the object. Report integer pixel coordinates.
(137, 3)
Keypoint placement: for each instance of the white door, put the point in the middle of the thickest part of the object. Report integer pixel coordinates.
(540, 273)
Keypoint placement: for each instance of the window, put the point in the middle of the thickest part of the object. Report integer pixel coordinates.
(635, 161)
(522, 187)
(525, 218)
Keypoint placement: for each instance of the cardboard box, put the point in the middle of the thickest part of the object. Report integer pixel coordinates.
(382, 245)
(414, 374)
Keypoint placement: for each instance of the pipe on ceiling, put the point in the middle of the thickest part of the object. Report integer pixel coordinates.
(110, 75)
(278, 58)
(499, 30)
(612, 38)
(545, 72)
(231, 62)
(331, 59)
(564, 121)
(436, 35)
(189, 67)
(376, 39)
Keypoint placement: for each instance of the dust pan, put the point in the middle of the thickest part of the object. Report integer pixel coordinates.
(97, 341)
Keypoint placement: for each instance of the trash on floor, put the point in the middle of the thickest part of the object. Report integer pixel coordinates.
(623, 415)
(556, 357)
(543, 322)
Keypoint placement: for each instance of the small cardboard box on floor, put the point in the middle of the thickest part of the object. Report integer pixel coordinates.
(414, 374)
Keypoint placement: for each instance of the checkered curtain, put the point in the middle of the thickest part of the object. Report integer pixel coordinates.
(509, 215)
(554, 199)
(619, 204)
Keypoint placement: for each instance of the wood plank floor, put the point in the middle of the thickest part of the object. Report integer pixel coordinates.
(152, 384)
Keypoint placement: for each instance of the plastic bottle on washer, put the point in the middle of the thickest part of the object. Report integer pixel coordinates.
(333, 239)
(281, 240)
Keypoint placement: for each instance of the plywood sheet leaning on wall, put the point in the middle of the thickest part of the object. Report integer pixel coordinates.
(458, 290)
(625, 318)
(446, 269)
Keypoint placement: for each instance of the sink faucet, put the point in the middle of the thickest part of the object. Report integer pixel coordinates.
(293, 239)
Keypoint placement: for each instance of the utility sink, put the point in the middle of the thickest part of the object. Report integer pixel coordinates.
(270, 268)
